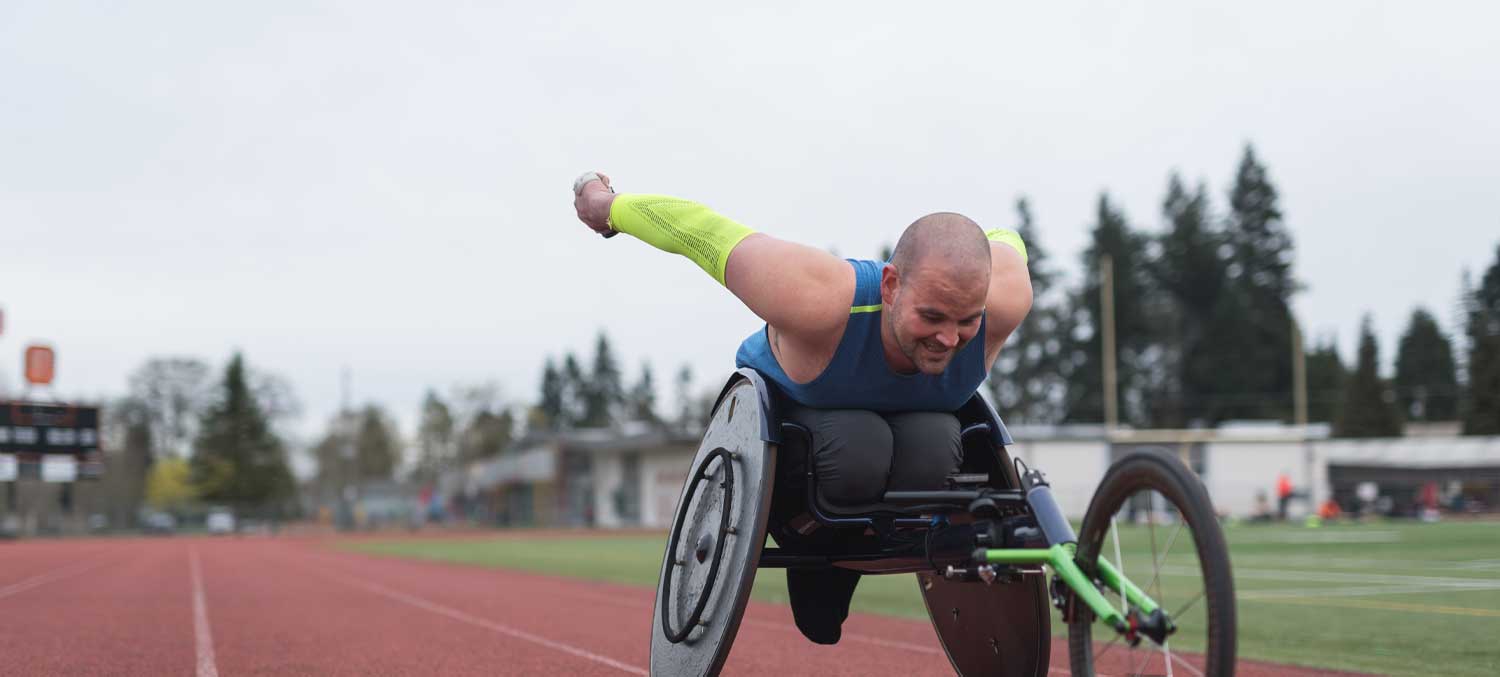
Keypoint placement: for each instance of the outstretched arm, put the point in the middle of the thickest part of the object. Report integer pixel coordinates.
(798, 290)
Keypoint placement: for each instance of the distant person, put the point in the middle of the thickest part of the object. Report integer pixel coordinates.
(1368, 494)
(1427, 502)
(875, 355)
(1262, 511)
(1283, 494)
(1330, 510)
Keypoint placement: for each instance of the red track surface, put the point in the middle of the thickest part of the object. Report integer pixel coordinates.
(294, 607)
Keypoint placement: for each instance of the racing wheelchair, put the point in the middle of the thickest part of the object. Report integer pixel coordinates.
(980, 547)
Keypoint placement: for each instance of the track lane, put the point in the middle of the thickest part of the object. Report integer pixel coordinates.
(297, 607)
(615, 620)
(768, 642)
(127, 613)
(23, 560)
(275, 610)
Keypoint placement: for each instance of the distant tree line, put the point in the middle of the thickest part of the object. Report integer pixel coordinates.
(479, 426)
(178, 439)
(572, 397)
(1204, 331)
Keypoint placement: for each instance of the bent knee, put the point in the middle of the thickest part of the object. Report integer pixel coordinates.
(927, 449)
(854, 456)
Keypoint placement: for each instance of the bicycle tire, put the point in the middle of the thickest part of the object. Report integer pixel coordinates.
(1166, 475)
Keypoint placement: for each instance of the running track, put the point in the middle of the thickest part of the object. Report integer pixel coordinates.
(261, 606)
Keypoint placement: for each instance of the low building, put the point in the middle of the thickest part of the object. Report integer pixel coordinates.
(632, 475)
(625, 476)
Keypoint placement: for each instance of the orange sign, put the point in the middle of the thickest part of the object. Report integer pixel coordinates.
(40, 361)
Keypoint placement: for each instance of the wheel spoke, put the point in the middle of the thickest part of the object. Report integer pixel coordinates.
(1112, 644)
(1139, 667)
(1166, 650)
(1178, 660)
(1170, 540)
(1188, 605)
(1155, 563)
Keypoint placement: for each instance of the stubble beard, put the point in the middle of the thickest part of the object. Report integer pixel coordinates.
(912, 349)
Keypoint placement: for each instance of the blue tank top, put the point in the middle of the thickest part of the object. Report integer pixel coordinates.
(859, 376)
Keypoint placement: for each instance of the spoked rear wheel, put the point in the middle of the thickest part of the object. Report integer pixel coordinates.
(1152, 520)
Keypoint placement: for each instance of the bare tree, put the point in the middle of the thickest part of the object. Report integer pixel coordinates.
(172, 391)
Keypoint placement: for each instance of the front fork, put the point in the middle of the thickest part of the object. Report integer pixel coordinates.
(1146, 618)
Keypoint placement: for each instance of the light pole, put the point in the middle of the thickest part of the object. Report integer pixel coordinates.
(1107, 305)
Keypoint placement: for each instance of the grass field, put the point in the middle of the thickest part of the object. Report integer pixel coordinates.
(1392, 598)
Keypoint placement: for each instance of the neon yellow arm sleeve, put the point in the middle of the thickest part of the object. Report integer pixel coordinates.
(680, 227)
(1009, 237)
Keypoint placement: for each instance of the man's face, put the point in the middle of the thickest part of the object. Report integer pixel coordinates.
(934, 313)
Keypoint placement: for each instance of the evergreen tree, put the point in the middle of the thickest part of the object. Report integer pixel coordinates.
(1426, 379)
(434, 437)
(1112, 235)
(642, 400)
(1028, 380)
(1459, 316)
(686, 415)
(1262, 243)
(377, 446)
(552, 405)
(1253, 320)
(237, 458)
(604, 394)
(1325, 383)
(1482, 416)
(575, 388)
(335, 453)
(488, 426)
(1367, 411)
(1192, 273)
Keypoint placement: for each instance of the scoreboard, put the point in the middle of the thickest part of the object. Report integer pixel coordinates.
(38, 428)
(51, 442)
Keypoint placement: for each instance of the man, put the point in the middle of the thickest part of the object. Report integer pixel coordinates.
(1283, 494)
(876, 356)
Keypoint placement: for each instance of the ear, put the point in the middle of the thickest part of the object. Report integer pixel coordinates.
(890, 282)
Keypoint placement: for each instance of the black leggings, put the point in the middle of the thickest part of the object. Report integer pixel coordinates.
(860, 454)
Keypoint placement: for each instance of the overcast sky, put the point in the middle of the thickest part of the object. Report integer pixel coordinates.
(385, 186)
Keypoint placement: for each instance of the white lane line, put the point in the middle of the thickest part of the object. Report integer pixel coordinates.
(1363, 591)
(616, 600)
(891, 643)
(770, 625)
(204, 638)
(851, 636)
(457, 615)
(43, 579)
(630, 603)
(1334, 577)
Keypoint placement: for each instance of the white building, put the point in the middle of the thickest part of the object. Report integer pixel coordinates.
(632, 475)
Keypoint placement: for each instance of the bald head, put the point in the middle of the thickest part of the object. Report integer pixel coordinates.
(934, 291)
(944, 241)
